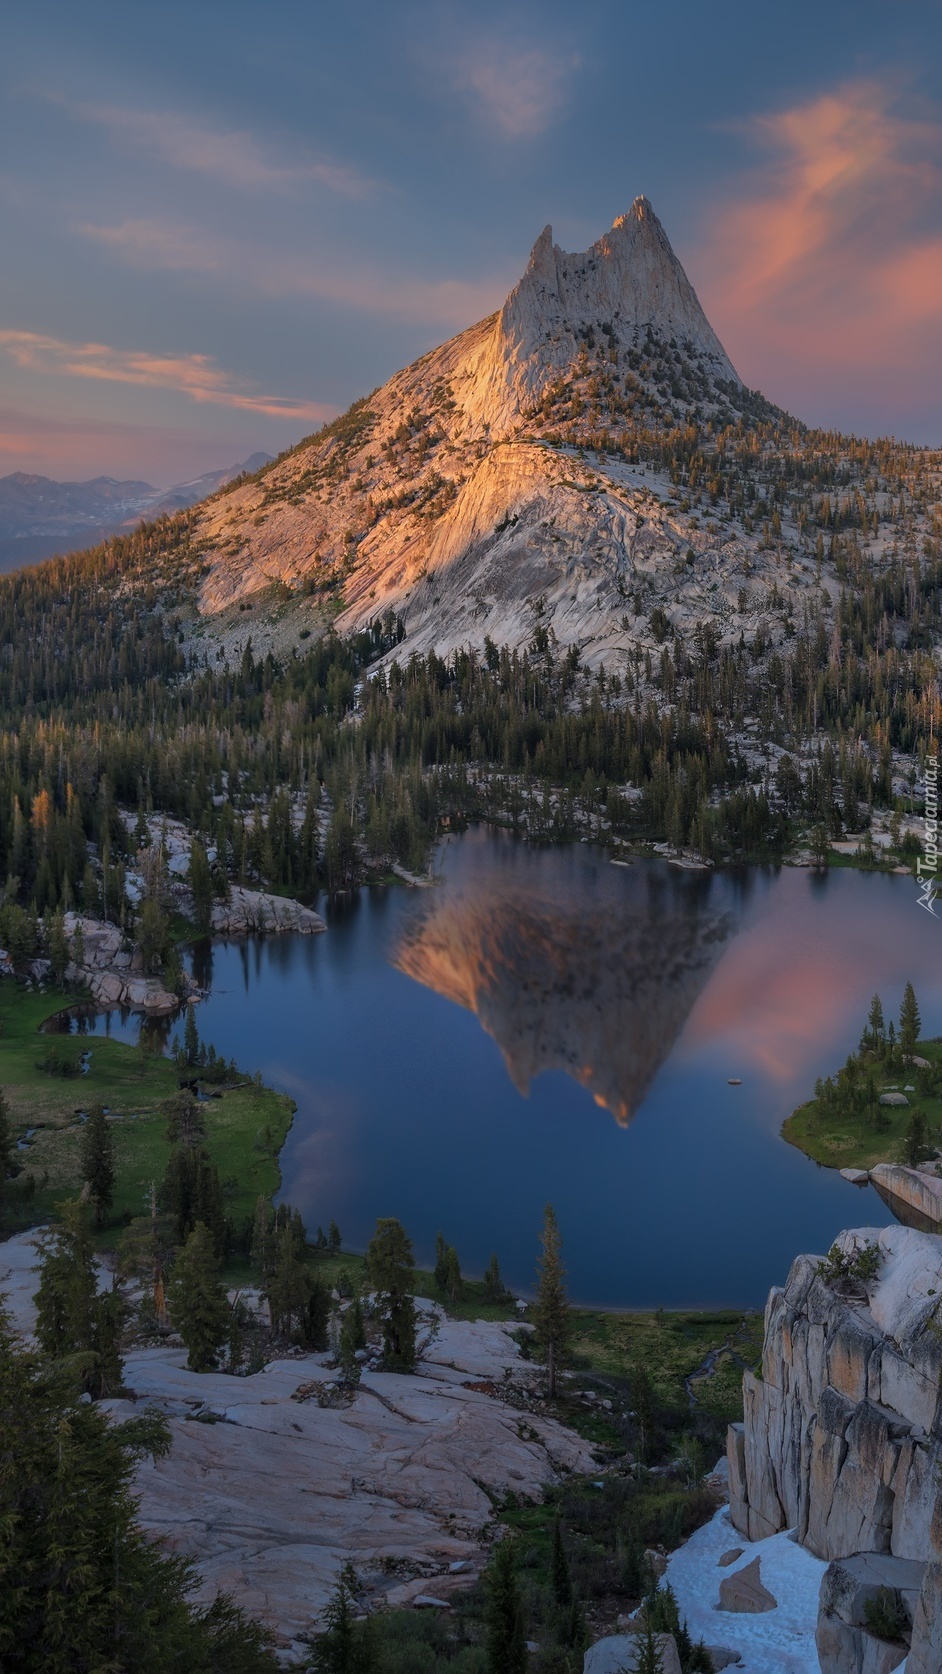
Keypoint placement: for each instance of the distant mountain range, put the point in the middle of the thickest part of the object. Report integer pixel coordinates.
(40, 517)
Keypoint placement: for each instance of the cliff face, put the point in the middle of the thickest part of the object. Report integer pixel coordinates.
(842, 1437)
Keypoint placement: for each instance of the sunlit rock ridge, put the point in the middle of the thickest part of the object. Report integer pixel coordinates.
(487, 490)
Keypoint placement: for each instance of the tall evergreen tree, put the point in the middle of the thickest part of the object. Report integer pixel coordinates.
(494, 1288)
(876, 1027)
(82, 1588)
(98, 1169)
(391, 1266)
(910, 1022)
(75, 1323)
(198, 1304)
(192, 1192)
(560, 1578)
(191, 1038)
(506, 1645)
(551, 1314)
(201, 887)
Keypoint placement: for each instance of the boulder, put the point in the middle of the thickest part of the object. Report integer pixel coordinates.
(619, 1653)
(743, 1592)
(893, 1098)
(253, 910)
(844, 1641)
(730, 1557)
(723, 1656)
(856, 1176)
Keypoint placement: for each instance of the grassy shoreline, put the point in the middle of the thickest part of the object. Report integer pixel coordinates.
(861, 1137)
(246, 1125)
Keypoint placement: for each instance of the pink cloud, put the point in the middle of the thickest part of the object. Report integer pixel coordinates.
(195, 376)
(824, 276)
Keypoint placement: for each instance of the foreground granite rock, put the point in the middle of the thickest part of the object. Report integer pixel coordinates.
(276, 1480)
(842, 1441)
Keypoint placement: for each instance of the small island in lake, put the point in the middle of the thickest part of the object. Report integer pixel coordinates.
(884, 1105)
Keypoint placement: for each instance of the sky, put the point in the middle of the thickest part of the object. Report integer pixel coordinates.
(225, 222)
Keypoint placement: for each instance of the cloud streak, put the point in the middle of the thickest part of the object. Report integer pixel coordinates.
(150, 242)
(231, 157)
(519, 91)
(195, 376)
(829, 263)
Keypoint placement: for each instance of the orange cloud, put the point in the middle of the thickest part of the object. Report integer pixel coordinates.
(831, 261)
(195, 376)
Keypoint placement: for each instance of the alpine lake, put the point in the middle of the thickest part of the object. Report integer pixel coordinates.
(549, 1025)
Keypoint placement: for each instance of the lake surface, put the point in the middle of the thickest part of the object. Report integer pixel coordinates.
(544, 1025)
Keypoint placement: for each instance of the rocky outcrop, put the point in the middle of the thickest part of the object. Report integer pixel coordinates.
(285, 1477)
(112, 970)
(913, 1194)
(844, 1638)
(842, 1439)
(252, 910)
(620, 1653)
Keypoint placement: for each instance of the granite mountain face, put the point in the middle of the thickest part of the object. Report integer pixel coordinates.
(486, 491)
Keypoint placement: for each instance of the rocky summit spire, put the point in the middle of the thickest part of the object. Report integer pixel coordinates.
(628, 286)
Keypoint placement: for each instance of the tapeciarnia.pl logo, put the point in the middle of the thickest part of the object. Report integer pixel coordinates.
(928, 865)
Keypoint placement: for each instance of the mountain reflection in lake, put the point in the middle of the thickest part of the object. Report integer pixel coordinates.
(596, 979)
(645, 987)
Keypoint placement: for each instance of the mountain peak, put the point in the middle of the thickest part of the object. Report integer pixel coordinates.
(628, 286)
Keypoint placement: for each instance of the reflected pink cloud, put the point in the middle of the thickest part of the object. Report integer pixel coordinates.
(780, 989)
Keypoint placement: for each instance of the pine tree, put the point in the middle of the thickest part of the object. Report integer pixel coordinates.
(7, 1155)
(910, 1022)
(551, 1313)
(876, 1027)
(506, 1646)
(84, 1588)
(75, 1323)
(198, 1304)
(201, 887)
(98, 1170)
(560, 1579)
(345, 1646)
(58, 947)
(453, 1285)
(441, 1252)
(191, 1039)
(333, 1238)
(289, 1285)
(314, 1321)
(191, 1192)
(649, 1659)
(185, 1122)
(391, 1265)
(494, 1287)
